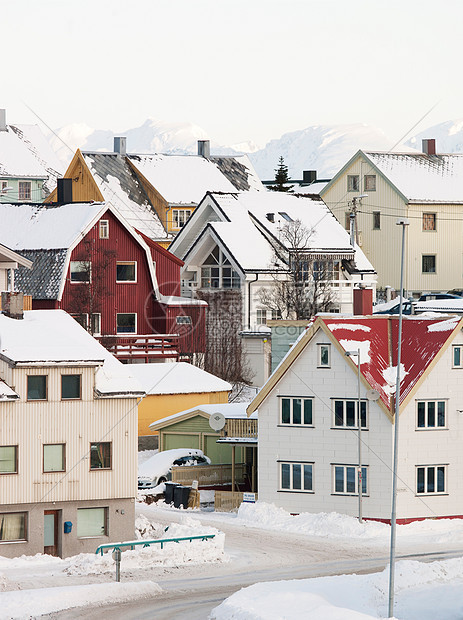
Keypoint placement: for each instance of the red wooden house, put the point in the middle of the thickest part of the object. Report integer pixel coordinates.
(122, 286)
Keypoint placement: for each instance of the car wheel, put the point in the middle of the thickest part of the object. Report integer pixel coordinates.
(161, 480)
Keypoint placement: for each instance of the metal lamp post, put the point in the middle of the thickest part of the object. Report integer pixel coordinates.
(359, 421)
(400, 222)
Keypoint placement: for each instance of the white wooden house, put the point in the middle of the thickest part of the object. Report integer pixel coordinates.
(68, 438)
(308, 419)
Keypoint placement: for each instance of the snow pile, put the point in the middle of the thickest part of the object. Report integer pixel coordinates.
(34, 603)
(390, 376)
(424, 591)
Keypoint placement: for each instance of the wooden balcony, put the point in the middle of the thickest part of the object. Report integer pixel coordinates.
(142, 347)
(244, 428)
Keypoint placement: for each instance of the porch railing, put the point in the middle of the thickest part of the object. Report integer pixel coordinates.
(209, 475)
(240, 428)
(146, 347)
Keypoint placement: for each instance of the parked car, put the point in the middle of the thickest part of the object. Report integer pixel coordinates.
(432, 296)
(456, 291)
(393, 307)
(158, 468)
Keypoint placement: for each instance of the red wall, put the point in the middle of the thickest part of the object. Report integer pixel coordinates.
(167, 268)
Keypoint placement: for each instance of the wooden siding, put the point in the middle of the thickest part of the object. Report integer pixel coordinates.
(159, 203)
(84, 188)
(76, 423)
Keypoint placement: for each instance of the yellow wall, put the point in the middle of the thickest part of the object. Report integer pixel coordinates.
(157, 406)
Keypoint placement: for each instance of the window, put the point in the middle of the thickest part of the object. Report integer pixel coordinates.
(37, 387)
(96, 324)
(217, 272)
(12, 526)
(126, 271)
(81, 271)
(100, 455)
(54, 457)
(324, 358)
(369, 182)
(92, 522)
(24, 190)
(430, 414)
(428, 263)
(457, 351)
(296, 476)
(82, 319)
(180, 217)
(429, 221)
(345, 479)
(183, 320)
(261, 316)
(71, 387)
(431, 479)
(104, 229)
(8, 459)
(376, 220)
(296, 411)
(126, 323)
(353, 184)
(345, 413)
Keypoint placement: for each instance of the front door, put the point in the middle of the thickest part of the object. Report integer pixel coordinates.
(50, 532)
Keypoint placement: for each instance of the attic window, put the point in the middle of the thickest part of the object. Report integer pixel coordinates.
(104, 229)
(369, 182)
(24, 188)
(285, 216)
(353, 183)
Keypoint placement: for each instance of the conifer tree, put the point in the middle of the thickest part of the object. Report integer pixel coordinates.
(282, 178)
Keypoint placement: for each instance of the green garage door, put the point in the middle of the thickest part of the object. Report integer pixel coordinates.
(219, 452)
(180, 441)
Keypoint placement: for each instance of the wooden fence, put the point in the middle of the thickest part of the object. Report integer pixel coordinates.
(227, 501)
(209, 475)
(240, 428)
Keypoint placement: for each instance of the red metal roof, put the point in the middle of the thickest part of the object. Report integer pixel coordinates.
(377, 339)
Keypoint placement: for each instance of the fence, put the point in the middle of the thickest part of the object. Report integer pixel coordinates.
(209, 475)
(227, 501)
(240, 428)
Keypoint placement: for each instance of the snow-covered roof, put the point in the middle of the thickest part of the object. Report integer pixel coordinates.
(122, 189)
(422, 178)
(16, 159)
(182, 179)
(6, 393)
(53, 337)
(230, 411)
(177, 378)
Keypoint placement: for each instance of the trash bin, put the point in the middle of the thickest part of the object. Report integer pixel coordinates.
(181, 495)
(169, 492)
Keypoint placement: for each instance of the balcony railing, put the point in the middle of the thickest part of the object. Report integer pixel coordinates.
(240, 428)
(147, 347)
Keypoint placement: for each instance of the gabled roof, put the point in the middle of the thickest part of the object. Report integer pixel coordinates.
(7, 255)
(416, 177)
(184, 179)
(16, 159)
(423, 342)
(230, 411)
(53, 337)
(47, 235)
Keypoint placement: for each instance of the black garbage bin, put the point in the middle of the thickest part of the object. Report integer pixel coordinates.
(181, 495)
(169, 492)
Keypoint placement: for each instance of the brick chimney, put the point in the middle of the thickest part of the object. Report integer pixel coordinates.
(363, 301)
(429, 146)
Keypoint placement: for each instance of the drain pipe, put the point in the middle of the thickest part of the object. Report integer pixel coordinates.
(249, 298)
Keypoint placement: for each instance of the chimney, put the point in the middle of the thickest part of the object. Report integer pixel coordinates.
(204, 148)
(3, 126)
(429, 146)
(309, 176)
(13, 304)
(270, 217)
(64, 191)
(363, 301)
(120, 145)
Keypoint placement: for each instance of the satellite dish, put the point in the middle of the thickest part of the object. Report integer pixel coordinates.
(373, 394)
(217, 421)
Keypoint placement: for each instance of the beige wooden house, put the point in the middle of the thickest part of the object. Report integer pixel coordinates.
(426, 188)
(68, 438)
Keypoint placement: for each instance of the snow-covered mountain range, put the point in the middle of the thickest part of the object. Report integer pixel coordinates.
(324, 148)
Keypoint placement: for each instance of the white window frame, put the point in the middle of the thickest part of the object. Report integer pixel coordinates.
(103, 229)
(292, 465)
(344, 413)
(117, 325)
(95, 319)
(353, 186)
(459, 348)
(127, 262)
(292, 400)
(180, 217)
(321, 347)
(427, 426)
(426, 469)
(27, 190)
(261, 316)
(85, 267)
(345, 491)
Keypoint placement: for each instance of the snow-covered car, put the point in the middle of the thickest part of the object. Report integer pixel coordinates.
(158, 468)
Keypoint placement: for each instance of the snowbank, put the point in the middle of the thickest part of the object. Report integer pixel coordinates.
(423, 592)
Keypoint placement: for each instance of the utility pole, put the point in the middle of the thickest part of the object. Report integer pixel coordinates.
(353, 215)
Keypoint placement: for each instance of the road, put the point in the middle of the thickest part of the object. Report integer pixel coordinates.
(256, 555)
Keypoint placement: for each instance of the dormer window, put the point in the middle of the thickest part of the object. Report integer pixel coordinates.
(217, 272)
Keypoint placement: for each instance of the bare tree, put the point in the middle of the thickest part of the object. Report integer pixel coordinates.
(302, 287)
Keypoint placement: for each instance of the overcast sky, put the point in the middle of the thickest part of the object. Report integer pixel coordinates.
(240, 69)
